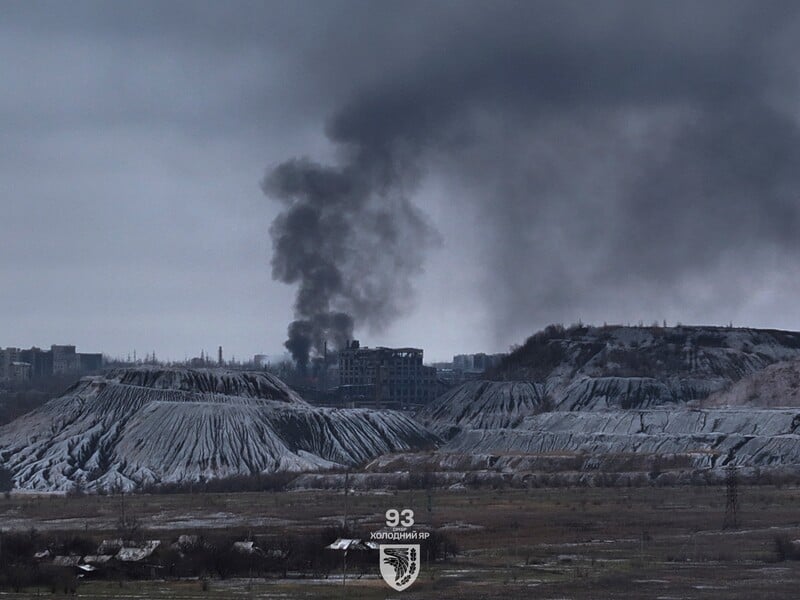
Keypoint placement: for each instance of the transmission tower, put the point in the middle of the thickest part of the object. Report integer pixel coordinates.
(732, 499)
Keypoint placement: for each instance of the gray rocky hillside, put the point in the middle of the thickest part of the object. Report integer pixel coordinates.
(628, 399)
(637, 367)
(776, 386)
(609, 368)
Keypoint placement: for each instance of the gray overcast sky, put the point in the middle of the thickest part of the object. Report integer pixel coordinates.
(608, 161)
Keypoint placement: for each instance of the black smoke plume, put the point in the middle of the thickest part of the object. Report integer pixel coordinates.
(616, 163)
(349, 238)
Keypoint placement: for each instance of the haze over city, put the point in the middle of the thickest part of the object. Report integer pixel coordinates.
(545, 162)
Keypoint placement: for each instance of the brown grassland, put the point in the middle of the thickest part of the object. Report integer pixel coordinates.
(577, 543)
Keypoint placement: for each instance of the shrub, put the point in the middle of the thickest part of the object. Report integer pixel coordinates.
(786, 549)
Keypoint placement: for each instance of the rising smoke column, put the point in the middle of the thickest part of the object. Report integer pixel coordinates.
(349, 238)
(622, 161)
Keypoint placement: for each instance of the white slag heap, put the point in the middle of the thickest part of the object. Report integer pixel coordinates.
(140, 426)
(707, 397)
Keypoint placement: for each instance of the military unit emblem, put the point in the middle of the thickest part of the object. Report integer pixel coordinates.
(399, 564)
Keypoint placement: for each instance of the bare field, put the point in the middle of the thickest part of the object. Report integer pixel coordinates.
(576, 543)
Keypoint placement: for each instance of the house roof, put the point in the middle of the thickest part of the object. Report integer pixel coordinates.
(244, 547)
(350, 544)
(137, 553)
(110, 546)
(97, 559)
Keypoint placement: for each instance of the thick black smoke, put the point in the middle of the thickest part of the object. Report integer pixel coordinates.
(349, 238)
(612, 155)
(619, 160)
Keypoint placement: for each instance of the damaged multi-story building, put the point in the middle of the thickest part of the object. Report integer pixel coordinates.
(385, 377)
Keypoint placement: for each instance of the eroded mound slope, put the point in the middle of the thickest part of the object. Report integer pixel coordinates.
(776, 386)
(141, 426)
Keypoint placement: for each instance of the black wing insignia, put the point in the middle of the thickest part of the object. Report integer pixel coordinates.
(398, 559)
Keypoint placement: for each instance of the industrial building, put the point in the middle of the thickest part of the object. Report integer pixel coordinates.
(385, 377)
(476, 363)
(19, 365)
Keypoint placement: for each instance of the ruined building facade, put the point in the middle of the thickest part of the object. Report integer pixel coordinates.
(387, 377)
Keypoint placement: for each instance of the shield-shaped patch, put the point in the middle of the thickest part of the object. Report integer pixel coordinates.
(399, 564)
